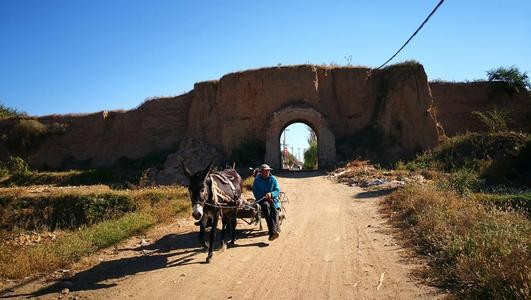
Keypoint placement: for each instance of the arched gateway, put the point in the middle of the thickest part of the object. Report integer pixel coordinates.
(300, 113)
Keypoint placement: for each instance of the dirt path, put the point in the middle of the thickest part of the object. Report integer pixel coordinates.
(334, 244)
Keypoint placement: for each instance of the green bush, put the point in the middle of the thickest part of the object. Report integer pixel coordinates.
(472, 149)
(62, 211)
(494, 120)
(464, 182)
(27, 135)
(517, 80)
(15, 166)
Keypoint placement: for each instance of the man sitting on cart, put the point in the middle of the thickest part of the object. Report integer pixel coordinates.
(266, 186)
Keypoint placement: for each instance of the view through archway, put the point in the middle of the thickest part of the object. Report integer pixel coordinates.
(299, 148)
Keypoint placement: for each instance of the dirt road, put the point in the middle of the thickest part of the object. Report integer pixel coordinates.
(334, 244)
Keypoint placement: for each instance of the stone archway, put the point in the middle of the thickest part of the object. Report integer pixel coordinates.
(291, 114)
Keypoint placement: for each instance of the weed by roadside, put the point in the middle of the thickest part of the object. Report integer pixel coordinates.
(479, 251)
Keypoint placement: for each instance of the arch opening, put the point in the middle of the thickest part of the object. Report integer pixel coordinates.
(298, 147)
(281, 119)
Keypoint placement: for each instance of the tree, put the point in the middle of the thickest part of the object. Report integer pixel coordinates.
(310, 157)
(311, 154)
(517, 80)
(312, 137)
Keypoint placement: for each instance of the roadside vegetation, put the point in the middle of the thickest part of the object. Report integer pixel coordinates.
(466, 206)
(81, 219)
(49, 220)
(474, 219)
(7, 112)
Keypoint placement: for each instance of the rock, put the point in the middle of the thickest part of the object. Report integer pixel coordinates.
(65, 291)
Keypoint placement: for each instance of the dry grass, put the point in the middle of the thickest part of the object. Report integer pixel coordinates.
(151, 206)
(248, 183)
(479, 251)
(16, 262)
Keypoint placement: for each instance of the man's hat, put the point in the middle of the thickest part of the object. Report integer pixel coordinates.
(265, 167)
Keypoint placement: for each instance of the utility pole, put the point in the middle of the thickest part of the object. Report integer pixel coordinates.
(284, 148)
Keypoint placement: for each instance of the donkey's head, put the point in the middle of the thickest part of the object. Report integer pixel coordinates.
(198, 189)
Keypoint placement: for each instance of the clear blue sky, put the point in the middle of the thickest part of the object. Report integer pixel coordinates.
(64, 56)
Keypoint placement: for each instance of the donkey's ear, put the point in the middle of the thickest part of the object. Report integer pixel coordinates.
(208, 169)
(187, 172)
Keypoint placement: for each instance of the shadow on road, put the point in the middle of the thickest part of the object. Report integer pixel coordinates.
(374, 194)
(159, 255)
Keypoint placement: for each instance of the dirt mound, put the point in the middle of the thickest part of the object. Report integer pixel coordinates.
(196, 155)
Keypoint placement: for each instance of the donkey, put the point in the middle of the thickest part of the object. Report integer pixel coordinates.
(214, 194)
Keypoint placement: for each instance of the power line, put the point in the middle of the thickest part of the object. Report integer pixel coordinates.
(418, 29)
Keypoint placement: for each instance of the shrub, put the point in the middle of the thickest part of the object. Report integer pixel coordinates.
(464, 182)
(518, 81)
(25, 135)
(472, 149)
(494, 120)
(15, 166)
(6, 112)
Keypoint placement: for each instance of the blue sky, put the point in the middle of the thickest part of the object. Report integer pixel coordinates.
(64, 56)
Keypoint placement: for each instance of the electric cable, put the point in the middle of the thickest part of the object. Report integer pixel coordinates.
(418, 29)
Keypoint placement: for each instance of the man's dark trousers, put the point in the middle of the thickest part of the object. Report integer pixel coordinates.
(271, 216)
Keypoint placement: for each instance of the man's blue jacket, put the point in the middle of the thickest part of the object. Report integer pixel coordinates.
(262, 186)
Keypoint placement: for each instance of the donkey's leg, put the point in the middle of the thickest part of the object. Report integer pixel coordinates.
(233, 223)
(212, 235)
(224, 223)
(202, 232)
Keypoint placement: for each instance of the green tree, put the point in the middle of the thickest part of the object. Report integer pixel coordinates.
(311, 154)
(516, 79)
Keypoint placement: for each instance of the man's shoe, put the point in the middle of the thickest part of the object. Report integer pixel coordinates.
(273, 236)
